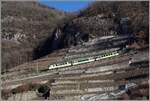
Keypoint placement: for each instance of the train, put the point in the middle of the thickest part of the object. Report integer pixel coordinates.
(84, 60)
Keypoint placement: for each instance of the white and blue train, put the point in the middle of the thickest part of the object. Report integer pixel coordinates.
(84, 60)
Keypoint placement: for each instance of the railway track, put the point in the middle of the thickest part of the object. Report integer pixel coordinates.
(103, 62)
(27, 68)
(73, 68)
(55, 75)
(33, 64)
(48, 74)
(31, 67)
(83, 66)
(50, 58)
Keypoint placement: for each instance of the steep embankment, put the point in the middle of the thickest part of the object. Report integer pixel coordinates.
(25, 25)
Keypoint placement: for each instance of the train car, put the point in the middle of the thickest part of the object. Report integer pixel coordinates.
(59, 65)
(82, 61)
(107, 55)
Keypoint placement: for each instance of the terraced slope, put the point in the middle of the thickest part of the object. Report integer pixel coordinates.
(75, 82)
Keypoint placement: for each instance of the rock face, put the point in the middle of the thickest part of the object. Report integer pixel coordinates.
(52, 43)
(25, 25)
(95, 25)
(81, 29)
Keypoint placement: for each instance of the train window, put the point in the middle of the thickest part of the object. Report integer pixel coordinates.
(82, 60)
(63, 63)
(98, 57)
(75, 61)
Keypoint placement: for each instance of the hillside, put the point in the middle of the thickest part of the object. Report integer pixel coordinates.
(25, 25)
(102, 18)
(100, 52)
(99, 19)
(26, 37)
